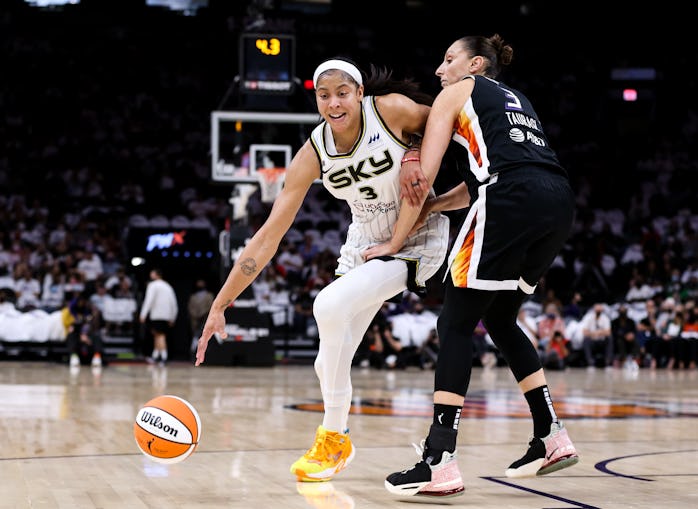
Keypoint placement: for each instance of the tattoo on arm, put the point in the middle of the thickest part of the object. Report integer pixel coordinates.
(226, 304)
(248, 266)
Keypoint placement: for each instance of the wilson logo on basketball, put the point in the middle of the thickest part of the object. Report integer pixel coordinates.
(156, 422)
(167, 429)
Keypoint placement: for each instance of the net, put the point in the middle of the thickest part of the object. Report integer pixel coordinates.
(271, 181)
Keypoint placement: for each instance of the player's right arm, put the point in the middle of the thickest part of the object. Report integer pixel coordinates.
(437, 136)
(260, 249)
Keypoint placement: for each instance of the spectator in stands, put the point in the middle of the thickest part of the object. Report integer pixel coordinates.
(27, 288)
(292, 262)
(370, 351)
(271, 278)
(573, 309)
(548, 325)
(689, 240)
(75, 282)
(53, 288)
(646, 319)
(7, 281)
(555, 352)
(111, 263)
(649, 311)
(123, 289)
(159, 310)
(118, 311)
(649, 342)
(596, 330)
(308, 249)
(58, 235)
(117, 278)
(670, 334)
(197, 306)
(131, 194)
(8, 257)
(429, 352)
(84, 339)
(100, 296)
(90, 265)
(689, 337)
(690, 288)
(395, 352)
(81, 236)
(381, 349)
(40, 259)
(639, 290)
(625, 341)
(549, 296)
(273, 296)
(316, 282)
(413, 328)
(303, 321)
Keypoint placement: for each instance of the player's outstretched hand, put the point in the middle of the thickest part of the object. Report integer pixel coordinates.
(215, 324)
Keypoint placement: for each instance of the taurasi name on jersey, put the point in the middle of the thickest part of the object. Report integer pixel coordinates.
(521, 119)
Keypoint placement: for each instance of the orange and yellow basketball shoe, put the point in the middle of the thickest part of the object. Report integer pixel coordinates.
(329, 455)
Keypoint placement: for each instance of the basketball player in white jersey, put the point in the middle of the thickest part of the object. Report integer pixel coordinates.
(357, 149)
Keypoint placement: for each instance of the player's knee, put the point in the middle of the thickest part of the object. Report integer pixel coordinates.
(328, 306)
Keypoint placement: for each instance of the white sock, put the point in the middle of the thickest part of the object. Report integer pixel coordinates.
(333, 419)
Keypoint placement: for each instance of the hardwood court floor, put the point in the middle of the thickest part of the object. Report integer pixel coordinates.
(68, 440)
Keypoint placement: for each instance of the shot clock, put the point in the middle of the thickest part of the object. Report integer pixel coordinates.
(267, 63)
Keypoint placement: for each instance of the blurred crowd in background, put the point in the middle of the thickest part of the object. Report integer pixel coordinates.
(106, 116)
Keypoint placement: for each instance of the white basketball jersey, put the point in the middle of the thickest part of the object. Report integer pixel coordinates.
(367, 178)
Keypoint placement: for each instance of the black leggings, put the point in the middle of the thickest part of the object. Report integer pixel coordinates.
(463, 308)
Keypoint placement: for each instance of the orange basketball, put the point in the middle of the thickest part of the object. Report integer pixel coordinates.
(167, 429)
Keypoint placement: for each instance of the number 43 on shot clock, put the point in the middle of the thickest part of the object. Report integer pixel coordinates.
(267, 63)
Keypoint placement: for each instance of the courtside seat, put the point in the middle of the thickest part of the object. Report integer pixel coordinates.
(138, 221)
(119, 315)
(180, 221)
(119, 310)
(159, 221)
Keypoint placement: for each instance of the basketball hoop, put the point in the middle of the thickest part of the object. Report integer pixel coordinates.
(271, 180)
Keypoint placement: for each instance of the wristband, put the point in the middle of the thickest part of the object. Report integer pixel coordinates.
(408, 159)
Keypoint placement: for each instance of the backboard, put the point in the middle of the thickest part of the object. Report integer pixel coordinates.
(241, 140)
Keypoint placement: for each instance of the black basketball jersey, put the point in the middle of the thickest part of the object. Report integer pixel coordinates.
(497, 131)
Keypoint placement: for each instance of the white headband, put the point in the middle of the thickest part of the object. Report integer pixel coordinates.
(341, 65)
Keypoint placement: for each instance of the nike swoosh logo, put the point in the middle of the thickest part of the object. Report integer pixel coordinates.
(440, 416)
(548, 456)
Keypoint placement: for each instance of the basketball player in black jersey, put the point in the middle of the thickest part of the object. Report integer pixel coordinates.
(521, 211)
